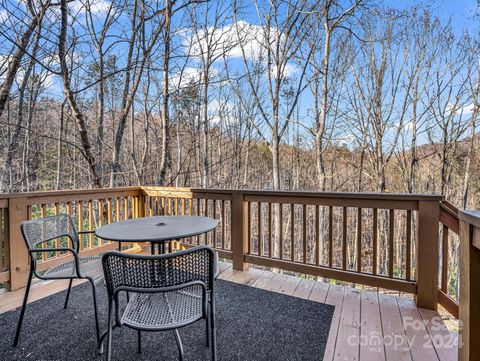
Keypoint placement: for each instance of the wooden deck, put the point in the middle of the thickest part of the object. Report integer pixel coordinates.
(367, 325)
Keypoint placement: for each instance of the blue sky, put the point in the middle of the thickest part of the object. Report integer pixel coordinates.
(461, 12)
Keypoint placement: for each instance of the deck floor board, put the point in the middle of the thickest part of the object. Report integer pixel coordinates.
(410, 334)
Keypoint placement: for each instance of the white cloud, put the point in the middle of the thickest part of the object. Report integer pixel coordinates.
(3, 16)
(97, 7)
(459, 109)
(188, 76)
(235, 41)
(224, 41)
(219, 111)
(288, 70)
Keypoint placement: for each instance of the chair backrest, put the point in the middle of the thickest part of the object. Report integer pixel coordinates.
(140, 272)
(46, 229)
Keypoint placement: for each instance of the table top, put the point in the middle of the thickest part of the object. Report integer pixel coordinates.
(158, 228)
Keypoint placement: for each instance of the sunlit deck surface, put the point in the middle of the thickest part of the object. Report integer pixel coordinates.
(361, 318)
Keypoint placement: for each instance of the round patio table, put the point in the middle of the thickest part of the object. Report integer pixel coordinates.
(158, 230)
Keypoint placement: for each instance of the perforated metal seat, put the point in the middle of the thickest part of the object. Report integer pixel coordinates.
(157, 311)
(89, 267)
(166, 292)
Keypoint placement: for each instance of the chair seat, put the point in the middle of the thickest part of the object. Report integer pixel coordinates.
(89, 267)
(164, 311)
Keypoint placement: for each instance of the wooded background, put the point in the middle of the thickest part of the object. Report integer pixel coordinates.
(320, 95)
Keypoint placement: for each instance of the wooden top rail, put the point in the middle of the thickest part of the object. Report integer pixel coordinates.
(171, 191)
(449, 216)
(69, 195)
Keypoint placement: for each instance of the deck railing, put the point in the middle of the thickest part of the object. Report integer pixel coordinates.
(449, 276)
(382, 240)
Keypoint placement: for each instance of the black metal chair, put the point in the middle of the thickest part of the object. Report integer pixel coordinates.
(167, 292)
(59, 227)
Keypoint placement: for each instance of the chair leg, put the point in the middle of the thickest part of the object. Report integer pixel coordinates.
(179, 344)
(139, 341)
(207, 342)
(68, 293)
(24, 307)
(212, 329)
(109, 331)
(95, 309)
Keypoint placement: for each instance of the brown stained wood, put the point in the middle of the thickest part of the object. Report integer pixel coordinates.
(292, 232)
(43, 245)
(217, 193)
(289, 286)
(387, 311)
(330, 236)
(445, 342)
(117, 210)
(338, 274)
(101, 212)
(110, 210)
(239, 227)
(444, 276)
(4, 277)
(469, 310)
(228, 273)
(393, 330)
(371, 328)
(449, 216)
(448, 303)
(319, 292)
(281, 231)
(246, 278)
(391, 229)
(35, 198)
(420, 344)
(126, 208)
(270, 227)
(277, 282)
(317, 235)
(5, 245)
(19, 262)
(335, 298)
(205, 204)
(214, 215)
(359, 240)
(90, 223)
(304, 288)
(299, 198)
(80, 223)
(249, 227)
(344, 238)
(427, 254)
(304, 233)
(263, 280)
(57, 241)
(408, 261)
(260, 230)
(224, 221)
(374, 241)
(349, 327)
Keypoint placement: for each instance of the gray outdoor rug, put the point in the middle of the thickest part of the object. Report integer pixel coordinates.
(252, 324)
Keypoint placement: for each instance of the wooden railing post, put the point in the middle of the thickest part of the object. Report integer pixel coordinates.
(239, 232)
(19, 264)
(427, 254)
(469, 309)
